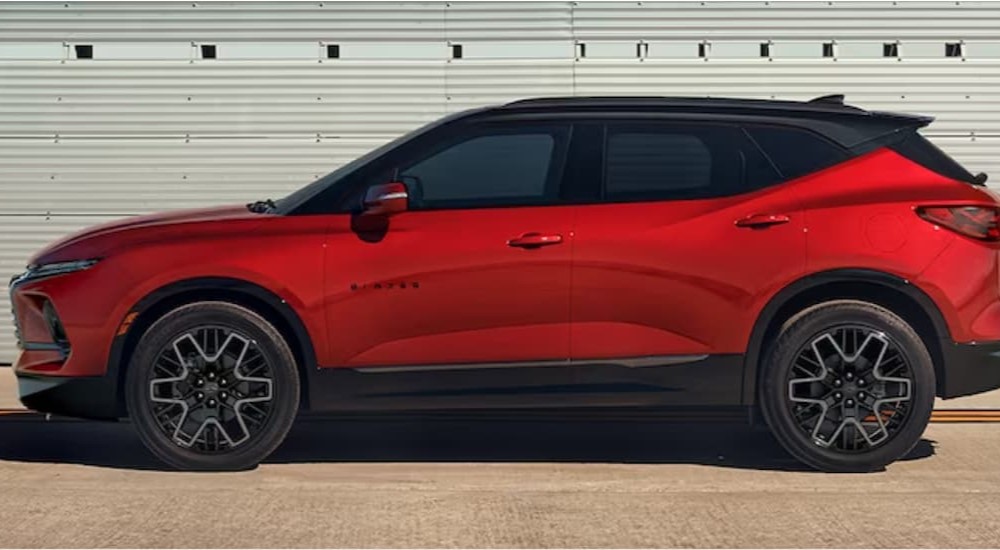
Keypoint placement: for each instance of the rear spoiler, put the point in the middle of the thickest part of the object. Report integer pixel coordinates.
(885, 128)
(899, 132)
(856, 130)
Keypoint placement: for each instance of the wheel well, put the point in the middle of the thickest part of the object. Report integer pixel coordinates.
(889, 297)
(299, 345)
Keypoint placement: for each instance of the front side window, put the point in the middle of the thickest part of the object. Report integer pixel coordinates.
(326, 194)
(502, 167)
(662, 161)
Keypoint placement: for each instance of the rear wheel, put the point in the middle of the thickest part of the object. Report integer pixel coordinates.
(212, 386)
(848, 386)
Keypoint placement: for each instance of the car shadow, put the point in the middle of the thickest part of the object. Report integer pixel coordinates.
(386, 438)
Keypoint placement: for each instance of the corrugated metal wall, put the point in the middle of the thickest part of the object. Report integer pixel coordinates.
(149, 124)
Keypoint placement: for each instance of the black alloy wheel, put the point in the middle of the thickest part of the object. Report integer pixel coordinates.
(847, 386)
(212, 386)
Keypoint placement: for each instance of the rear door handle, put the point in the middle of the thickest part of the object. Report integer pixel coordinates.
(762, 220)
(535, 240)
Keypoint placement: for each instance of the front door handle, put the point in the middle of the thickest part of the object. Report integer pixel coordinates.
(535, 240)
(762, 220)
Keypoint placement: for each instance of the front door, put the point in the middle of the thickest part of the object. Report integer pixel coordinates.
(469, 285)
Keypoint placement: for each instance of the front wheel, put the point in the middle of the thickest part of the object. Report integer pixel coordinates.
(848, 386)
(212, 386)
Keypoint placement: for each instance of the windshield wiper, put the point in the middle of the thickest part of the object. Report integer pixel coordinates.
(261, 207)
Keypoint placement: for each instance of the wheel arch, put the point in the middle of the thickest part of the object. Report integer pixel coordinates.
(885, 289)
(225, 289)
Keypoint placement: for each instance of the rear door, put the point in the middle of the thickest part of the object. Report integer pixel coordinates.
(690, 233)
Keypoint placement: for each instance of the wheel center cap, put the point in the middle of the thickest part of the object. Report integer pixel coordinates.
(211, 387)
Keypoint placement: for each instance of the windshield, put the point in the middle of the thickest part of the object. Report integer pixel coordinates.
(299, 197)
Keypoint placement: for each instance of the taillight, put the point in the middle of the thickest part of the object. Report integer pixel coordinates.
(978, 222)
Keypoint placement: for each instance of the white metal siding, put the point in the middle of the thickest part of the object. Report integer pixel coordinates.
(148, 125)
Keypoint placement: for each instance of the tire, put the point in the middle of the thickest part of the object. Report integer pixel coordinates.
(850, 343)
(205, 361)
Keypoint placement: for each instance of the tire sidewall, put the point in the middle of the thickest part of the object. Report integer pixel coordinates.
(285, 386)
(774, 397)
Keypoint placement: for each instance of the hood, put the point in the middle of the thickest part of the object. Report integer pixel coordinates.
(57, 251)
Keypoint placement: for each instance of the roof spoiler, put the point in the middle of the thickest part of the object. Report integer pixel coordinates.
(883, 127)
(838, 99)
(834, 99)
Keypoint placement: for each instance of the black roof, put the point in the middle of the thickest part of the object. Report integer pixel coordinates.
(850, 126)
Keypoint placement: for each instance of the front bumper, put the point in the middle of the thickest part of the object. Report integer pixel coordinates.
(969, 368)
(86, 397)
(65, 323)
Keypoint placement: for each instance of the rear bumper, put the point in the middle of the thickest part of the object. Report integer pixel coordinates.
(969, 368)
(85, 397)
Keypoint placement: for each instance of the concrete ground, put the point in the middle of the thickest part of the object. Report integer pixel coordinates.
(412, 482)
(8, 389)
(451, 483)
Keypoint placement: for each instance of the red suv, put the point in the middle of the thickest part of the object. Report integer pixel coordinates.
(821, 264)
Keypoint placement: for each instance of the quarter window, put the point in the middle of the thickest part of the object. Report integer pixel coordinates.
(796, 153)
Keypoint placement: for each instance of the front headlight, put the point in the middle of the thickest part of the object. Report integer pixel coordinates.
(48, 270)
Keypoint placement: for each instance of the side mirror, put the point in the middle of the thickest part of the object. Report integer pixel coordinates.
(386, 199)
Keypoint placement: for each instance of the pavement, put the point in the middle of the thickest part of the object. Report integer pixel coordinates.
(452, 483)
(8, 389)
(397, 481)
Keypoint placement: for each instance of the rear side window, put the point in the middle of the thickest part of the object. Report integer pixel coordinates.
(796, 153)
(653, 161)
(648, 162)
(921, 151)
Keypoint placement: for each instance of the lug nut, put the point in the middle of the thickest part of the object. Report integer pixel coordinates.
(199, 396)
(223, 395)
(211, 376)
(838, 382)
(861, 395)
(211, 402)
(837, 396)
(199, 382)
(861, 381)
(849, 376)
(850, 402)
(222, 382)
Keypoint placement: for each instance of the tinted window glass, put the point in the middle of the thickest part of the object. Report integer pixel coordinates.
(667, 161)
(505, 168)
(328, 193)
(796, 152)
(649, 162)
